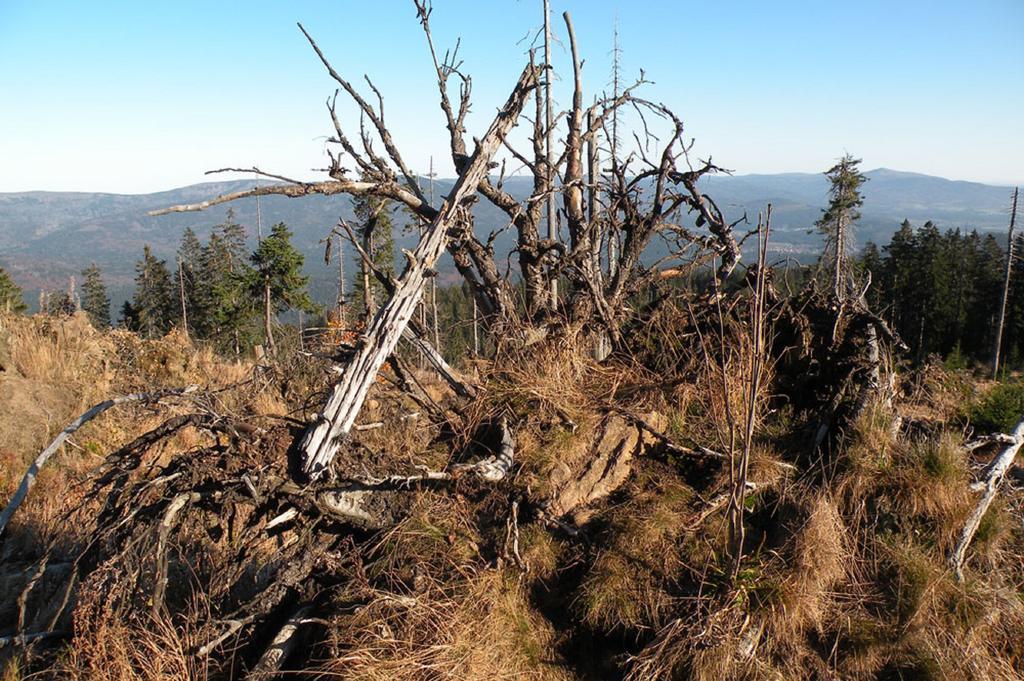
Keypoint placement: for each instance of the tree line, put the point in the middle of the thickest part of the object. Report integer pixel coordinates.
(219, 291)
(941, 292)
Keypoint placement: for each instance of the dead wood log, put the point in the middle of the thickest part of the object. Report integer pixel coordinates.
(320, 443)
(290, 577)
(32, 473)
(461, 387)
(34, 637)
(377, 502)
(166, 525)
(996, 473)
(277, 653)
(611, 455)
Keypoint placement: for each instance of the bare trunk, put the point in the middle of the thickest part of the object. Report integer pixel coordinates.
(613, 143)
(840, 256)
(320, 444)
(995, 475)
(549, 117)
(1006, 287)
(433, 280)
(340, 303)
(267, 317)
(476, 331)
(181, 296)
(433, 356)
(269, 665)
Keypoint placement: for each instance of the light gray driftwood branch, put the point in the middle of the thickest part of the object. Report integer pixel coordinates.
(320, 444)
(269, 665)
(32, 473)
(995, 475)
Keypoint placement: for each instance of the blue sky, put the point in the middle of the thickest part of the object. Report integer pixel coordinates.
(143, 96)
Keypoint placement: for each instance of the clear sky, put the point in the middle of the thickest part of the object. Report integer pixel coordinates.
(130, 96)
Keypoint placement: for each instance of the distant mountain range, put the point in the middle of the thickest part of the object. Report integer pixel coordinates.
(47, 236)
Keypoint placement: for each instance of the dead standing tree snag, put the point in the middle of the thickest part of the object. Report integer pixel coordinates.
(321, 442)
(644, 196)
(648, 194)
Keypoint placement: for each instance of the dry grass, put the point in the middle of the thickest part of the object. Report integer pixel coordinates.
(630, 582)
(109, 648)
(57, 367)
(479, 629)
(843, 577)
(820, 560)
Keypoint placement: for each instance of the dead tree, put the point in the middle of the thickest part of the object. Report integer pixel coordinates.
(989, 487)
(336, 419)
(549, 129)
(29, 479)
(1006, 286)
(181, 298)
(652, 193)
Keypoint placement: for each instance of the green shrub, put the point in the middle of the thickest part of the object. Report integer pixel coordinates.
(999, 410)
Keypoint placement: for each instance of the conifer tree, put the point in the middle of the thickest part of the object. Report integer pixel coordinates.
(277, 277)
(940, 292)
(838, 219)
(226, 311)
(153, 302)
(95, 301)
(59, 304)
(870, 263)
(11, 295)
(190, 259)
(129, 319)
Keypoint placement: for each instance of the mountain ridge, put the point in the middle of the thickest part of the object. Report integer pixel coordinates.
(47, 236)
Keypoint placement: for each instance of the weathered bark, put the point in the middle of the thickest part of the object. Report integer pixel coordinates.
(276, 654)
(377, 502)
(461, 387)
(548, 152)
(167, 524)
(616, 441)
(321, 441)
(994, 476)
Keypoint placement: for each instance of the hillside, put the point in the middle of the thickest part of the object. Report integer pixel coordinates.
(605, 555)
(47, 236)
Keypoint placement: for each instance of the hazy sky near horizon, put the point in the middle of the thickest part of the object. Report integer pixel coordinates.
(128, 96)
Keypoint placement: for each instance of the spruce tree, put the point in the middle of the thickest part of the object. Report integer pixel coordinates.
(60, 304)
(277, 277)
(95, 301)
(871, 264)
(227, 313)
(11, 295)
(190, 259)
(153, 302)
(129, 318)
(838, 219)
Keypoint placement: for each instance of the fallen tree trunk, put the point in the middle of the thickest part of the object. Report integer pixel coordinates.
(320, 444)
(32, 473)
(995, 475)
(269, 665)
(444, 370)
